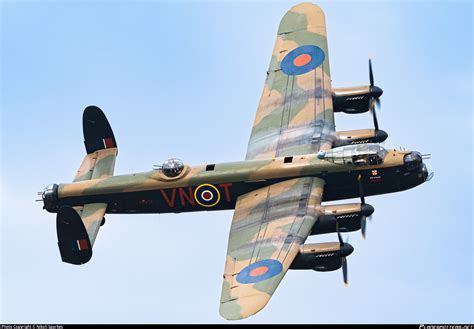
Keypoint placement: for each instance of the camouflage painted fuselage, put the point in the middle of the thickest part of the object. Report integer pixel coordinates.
(153, 192)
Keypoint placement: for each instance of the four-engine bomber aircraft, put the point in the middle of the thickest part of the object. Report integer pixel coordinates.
(295, 160)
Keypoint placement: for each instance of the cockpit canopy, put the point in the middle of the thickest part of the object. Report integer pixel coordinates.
(357, 155)
(172, 167)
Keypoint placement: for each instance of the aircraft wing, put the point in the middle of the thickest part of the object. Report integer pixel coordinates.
(295, 115)
(268, 228)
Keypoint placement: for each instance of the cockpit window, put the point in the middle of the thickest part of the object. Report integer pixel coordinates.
(357, 155)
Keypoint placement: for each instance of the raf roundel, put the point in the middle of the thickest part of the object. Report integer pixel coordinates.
(207, 195)
(302, 60)
(259, 271)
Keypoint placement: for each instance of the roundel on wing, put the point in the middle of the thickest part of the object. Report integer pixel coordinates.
(302, 60)
(207, 195)
(259, 271)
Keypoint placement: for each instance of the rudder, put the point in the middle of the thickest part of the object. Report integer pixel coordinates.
(98, 134)
(73, 240)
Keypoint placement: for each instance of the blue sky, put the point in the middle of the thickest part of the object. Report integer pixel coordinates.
(183, 79)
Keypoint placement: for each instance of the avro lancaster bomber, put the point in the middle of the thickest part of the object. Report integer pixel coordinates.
(295, 161)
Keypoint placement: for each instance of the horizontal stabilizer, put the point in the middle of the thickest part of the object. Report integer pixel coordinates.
(99, 164)
(92, 215)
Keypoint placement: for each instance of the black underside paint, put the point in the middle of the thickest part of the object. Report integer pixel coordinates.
(98, 134)
(73, 240)
(321, 262)
(338, 186)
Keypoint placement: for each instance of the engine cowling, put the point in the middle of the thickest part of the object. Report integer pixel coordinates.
(361, 136)
(347, 216)
(354, 100)
(321, 256)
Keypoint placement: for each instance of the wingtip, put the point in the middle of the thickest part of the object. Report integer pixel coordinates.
(233, 310)
(305, 6)
(230, 310)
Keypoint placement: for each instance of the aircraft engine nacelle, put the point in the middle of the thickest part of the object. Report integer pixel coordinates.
(321, 257)
(362, 136)
(347, 216)
(354, 100)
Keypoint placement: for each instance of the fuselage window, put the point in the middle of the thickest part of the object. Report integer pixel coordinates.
(288, 160)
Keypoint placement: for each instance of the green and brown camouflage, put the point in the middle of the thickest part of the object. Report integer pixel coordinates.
(269, 223)
(92, 215)
(295, 114)
(99, 164)
(249, 171)
(295, 161)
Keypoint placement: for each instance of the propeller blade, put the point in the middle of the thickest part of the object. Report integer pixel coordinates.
(363, 226)
(378, 103)
(371, 74)
(374, 114)
(339, 237)
(361, 189)
(341, 243)
(375, 92)
(344, 270)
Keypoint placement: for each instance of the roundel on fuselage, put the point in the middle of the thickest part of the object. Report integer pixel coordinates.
(207, 195)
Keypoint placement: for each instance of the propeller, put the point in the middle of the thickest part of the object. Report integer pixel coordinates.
(363, 218)
(343, 257)
(375, 93)
(344, 270)
(374, 114)
(339, 237)
(361, 189)
(363, 226)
